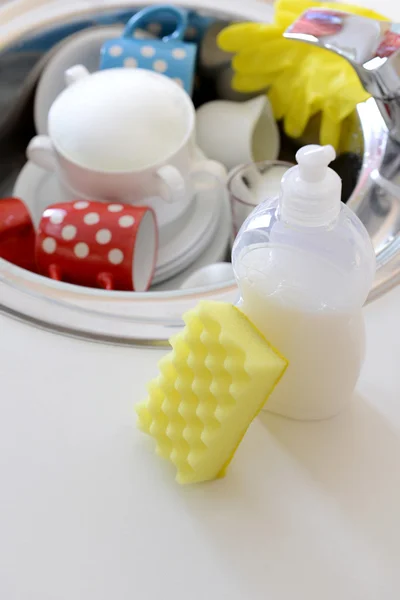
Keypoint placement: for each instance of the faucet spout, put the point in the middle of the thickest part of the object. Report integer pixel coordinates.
(372, 47)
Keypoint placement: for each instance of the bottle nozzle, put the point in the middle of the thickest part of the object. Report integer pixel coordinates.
(313, 161)
(311, 191)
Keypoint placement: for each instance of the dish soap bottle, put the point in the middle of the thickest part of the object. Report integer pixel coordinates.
(305, 264)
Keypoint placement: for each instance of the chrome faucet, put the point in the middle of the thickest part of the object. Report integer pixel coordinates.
(372, 47)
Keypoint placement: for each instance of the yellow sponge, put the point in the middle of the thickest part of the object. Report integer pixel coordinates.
(212, 384)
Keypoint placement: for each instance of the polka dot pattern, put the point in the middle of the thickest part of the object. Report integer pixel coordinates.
(81, 205)
(57, 216)
(126, 221)
(139, 34)
(130, 63)
(147, 51)
(68, 232)
(79, 242)
(115, 50)
(81, 250)
(176, 59)
(103, 236)
(115, 207)
(160, 66)
(49, 245)
(179, 53)
(91, 218)
(115, 256)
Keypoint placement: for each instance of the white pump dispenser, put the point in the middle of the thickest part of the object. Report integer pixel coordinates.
(305, 264)
(311, 191)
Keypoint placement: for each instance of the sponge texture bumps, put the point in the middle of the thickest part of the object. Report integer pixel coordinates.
(212, 384)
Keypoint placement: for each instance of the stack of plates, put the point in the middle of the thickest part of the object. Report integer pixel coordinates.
(215, 251)
(193, 238)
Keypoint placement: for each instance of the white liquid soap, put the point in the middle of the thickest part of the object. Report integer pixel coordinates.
(305, 265)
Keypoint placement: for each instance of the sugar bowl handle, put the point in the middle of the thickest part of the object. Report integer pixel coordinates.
(75, 73)
(41, 152)
(174, 182)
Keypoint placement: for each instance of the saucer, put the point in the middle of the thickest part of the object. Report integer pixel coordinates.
(188, 253)
(215, 251)
(80, 48)
(39, 189)
(199, 230)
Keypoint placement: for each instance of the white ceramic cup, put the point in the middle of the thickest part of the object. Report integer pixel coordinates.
(123, 135)
(234, 133)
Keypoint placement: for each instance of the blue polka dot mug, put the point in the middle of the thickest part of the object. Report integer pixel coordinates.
(170, 55)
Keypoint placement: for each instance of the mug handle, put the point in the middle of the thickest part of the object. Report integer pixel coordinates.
(54, 272)
(105, 281)
(174, 181)
(40, 151)
(143, 15)
(210, 166)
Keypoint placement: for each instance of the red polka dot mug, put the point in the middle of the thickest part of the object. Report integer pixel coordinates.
(110, 246)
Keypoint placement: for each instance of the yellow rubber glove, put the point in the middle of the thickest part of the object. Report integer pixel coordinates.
(302, 80)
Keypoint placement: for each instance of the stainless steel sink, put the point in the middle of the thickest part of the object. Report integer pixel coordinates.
(150, 319)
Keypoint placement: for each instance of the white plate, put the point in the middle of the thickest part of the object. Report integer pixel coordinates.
(199, 230)
(191, 254)
(39, 189)
(215, 252)
(80, 48)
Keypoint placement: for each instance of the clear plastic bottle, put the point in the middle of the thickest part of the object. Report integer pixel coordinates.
(305, 264)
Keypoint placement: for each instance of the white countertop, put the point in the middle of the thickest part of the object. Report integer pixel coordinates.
(308, 511)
